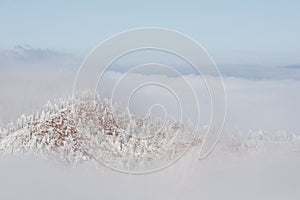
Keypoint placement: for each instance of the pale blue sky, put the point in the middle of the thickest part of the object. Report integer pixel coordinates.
(263, 33)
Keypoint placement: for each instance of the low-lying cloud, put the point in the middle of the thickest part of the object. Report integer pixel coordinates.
(29, 77)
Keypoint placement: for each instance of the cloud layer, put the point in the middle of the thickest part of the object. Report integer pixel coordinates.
(258, 98)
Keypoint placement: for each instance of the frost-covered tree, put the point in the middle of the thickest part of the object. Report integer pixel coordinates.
(82, 130)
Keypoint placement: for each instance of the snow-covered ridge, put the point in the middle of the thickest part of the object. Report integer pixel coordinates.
(75, 131)
(79, 130)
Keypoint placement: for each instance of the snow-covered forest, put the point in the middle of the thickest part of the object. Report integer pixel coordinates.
(78, 131)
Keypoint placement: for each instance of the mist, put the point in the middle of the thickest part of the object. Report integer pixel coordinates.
(269, 175)
(243, 167)
(29, 78)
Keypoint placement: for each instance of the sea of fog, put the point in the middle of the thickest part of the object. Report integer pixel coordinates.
(265, 100)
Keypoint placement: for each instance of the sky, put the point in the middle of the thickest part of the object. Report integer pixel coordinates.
(260, 33)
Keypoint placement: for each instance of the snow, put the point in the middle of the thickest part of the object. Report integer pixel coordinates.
(63, 152)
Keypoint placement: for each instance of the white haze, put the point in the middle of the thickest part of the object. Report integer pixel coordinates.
(268, 176)
(259, 104)
(252, 104)
(29, 77)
